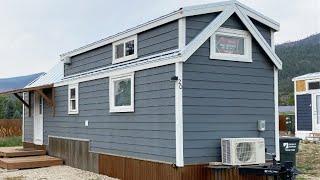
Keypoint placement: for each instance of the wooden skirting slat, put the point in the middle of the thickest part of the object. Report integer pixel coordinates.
(133, 169)
(74, 153)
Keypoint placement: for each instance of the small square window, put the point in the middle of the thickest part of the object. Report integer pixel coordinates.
(125, 50)
(121, 93)
(231, 44)
(73, 99)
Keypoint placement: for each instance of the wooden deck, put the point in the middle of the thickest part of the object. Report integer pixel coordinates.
(25, 158)
(20, 152)
(29, 162)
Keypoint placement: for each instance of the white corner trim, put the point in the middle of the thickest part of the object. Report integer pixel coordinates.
(182, 33)
(259, 38)
(207, 33)
(23, 116)
(246, 57)
(179, 114)
(112, 107)
(124, 41)
(76, 87)
(295, 107)
(273, 46)
(276, 113)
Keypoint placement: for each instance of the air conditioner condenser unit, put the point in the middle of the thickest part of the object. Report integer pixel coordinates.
(242, 151)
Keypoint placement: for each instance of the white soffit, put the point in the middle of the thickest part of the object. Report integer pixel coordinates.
(183, 12)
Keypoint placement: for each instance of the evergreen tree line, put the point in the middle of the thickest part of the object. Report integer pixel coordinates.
(10, 107)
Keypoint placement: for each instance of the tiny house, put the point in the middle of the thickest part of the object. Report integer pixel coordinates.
(156, 100)
(307, 104)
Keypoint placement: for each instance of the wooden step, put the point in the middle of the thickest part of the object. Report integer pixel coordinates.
(29, 162)
(20, 152)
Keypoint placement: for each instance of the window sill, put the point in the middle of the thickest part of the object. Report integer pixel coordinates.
(121, 109)
(232, 58)
(73, 112)
(123, 59)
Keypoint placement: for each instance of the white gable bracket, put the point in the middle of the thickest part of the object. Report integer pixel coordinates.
(207, 32)
(256, 34)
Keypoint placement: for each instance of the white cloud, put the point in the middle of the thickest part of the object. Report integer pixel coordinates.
(33, 33)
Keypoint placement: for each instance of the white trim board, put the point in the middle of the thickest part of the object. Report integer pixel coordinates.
(276, 113)
(181, 13)
(179, 114)
(118, 70)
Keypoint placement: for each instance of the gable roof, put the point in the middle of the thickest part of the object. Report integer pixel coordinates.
(181, 13)
(315, 75)
(182, 54)
(218, 21)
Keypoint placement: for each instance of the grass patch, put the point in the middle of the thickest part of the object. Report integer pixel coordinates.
(308, 160)
(11, 141)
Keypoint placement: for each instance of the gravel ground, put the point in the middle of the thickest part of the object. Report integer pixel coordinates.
(52, 173)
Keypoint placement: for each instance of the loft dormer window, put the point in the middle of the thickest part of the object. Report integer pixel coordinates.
(125, 49)
(231, 44)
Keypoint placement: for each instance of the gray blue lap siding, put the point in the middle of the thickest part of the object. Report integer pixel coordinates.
(148, 133)
(150, 42)
(28, 120)
(223, 98)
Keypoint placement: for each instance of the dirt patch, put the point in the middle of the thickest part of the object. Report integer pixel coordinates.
(52, 173)
(308, 160)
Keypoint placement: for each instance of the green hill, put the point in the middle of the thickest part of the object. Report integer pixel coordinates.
(299, 57)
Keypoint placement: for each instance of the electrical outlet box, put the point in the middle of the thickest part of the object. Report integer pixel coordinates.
(261, 125)
(86, 123)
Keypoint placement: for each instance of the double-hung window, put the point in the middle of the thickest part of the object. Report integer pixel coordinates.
(121, 93)
(125, 49)
(73, 99)
(231, 44)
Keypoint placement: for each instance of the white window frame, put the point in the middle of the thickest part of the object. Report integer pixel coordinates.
(70, 110)
(125, 58)
(311, 81)
(112, 106)
(247, 57)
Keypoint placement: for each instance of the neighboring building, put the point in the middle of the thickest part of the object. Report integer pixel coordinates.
(286, 110)
(307, 104)
(163, 93)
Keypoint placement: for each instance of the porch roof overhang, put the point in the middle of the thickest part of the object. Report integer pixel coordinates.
(21, 90)
(38, 89)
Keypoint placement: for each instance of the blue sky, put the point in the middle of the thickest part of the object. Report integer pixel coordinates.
(33, 33)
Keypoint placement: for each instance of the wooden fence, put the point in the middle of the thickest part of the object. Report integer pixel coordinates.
(10, 127)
